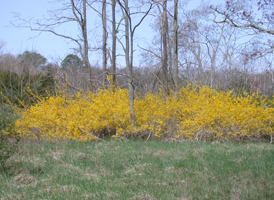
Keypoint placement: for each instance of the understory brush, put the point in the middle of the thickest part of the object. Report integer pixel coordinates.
(9, 138)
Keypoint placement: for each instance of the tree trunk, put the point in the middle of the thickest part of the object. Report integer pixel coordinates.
(129, 36)
(164, 40)
(113, 61)
(175, 43)
(85, 37)
(104, 19)
(129, 65)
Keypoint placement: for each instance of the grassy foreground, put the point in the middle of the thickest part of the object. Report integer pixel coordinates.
(138, 170)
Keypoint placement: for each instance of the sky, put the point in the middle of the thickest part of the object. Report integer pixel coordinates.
(55, 49)
(18, 40)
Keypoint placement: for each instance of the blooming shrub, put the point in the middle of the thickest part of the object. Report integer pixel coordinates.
(191, 113)
(76, 117)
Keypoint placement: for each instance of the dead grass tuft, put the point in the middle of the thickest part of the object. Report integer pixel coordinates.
(142, 197)
(160, 153)
(64, 188)
(235, 195)
(163, 184)
(132, 170)
(184, 198)
(170, 169)
(91, 176)
(25, 181)
(70, 166)
(14, 197)
(82, 156)
(24, 178)
(34, 161)
(56, 155)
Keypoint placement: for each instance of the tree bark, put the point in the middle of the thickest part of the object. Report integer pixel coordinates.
(85, 36)
(175, 43)
(113, 61)
(104, 19)
(164, 42)
(129, 65)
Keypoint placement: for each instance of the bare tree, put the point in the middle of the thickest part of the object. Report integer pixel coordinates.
(175, 43)
(213, 46)
(104, 19)
(129, 50)
(114, 31)
(165, 46)
(164, 49)
(72, 11)
(190, 42)
(82, 21)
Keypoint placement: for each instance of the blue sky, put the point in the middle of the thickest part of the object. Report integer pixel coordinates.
(52, 47)
(19, 40)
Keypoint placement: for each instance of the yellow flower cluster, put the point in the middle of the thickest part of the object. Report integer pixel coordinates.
(76, 117)
(191, 113)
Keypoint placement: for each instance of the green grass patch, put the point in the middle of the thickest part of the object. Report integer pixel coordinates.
(138, 170)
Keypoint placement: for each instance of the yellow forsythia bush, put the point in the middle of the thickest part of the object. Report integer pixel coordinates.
(191, 113)
(204, 113)
(74, 117)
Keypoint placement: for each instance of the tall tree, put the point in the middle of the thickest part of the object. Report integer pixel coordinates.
(114, 31)
(129, 59)
(104, 20)
(165, 47)
(190, 42)
(129, 50)
(82, 21)
(175, 43)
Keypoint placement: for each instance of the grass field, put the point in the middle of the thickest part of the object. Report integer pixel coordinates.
(139, 170)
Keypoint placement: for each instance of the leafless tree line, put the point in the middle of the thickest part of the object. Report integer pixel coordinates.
(225, 46)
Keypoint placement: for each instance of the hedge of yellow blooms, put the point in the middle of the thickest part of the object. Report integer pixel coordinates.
(193, 113)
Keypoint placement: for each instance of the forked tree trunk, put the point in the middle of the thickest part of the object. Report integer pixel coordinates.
(129, 36)
(129, 65)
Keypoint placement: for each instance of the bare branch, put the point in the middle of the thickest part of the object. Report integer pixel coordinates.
(148, 50)
(231, 22)
(142, 18)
